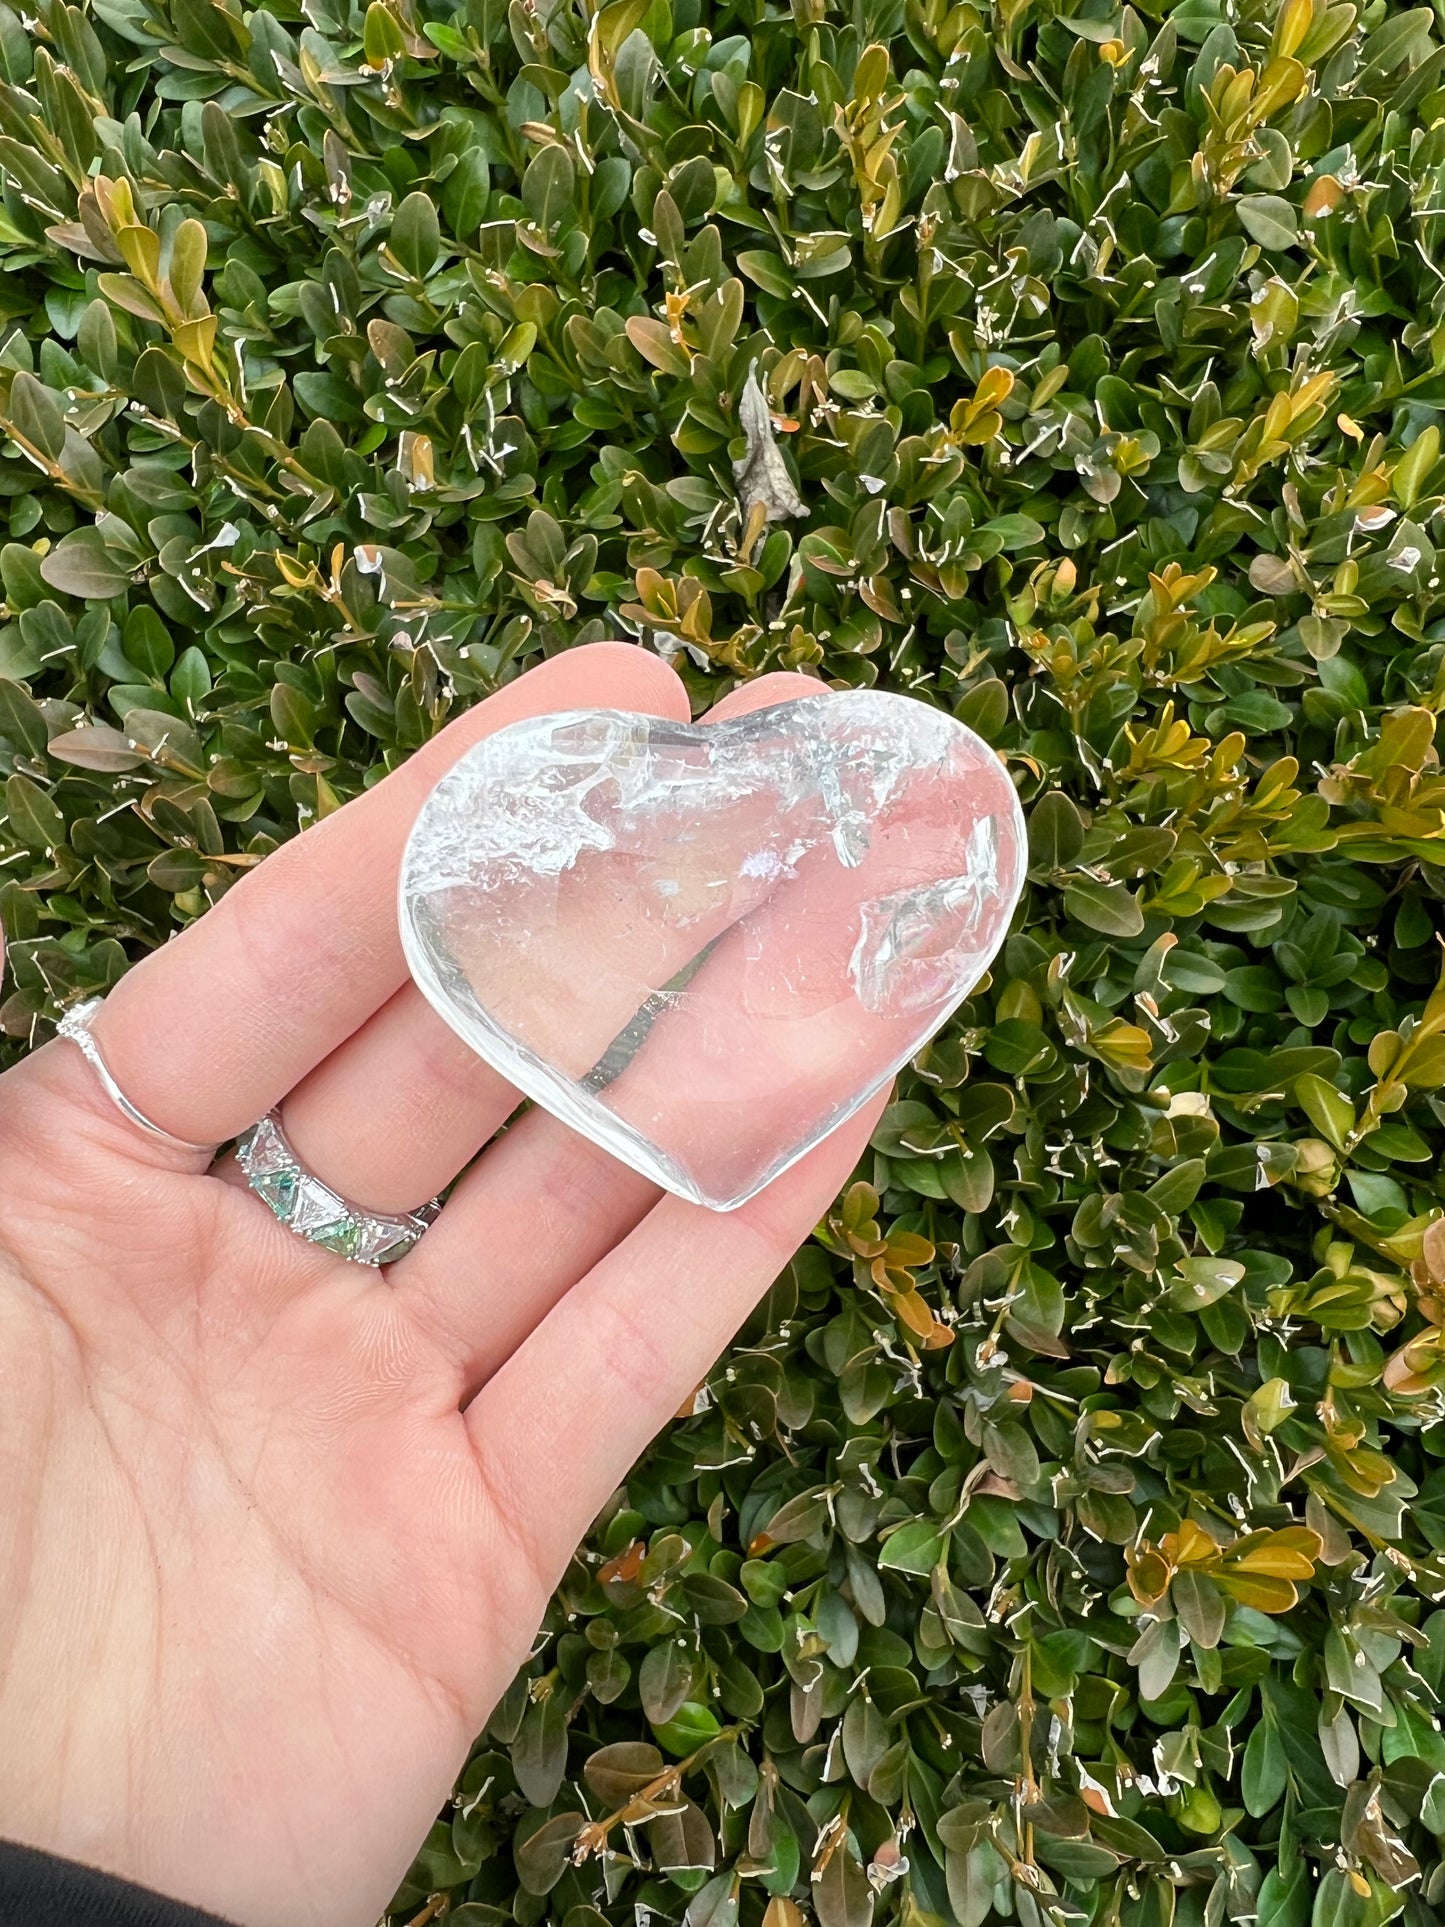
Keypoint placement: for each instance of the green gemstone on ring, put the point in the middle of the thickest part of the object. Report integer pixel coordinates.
(278, 1189)
(314, 1211)
(343, 1237)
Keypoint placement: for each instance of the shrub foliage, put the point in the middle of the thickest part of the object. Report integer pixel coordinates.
(1061, 1541)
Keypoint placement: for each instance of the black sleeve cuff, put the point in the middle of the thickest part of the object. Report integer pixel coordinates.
(37, 1890)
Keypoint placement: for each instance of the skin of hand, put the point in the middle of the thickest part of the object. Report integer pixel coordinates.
(278, 1529)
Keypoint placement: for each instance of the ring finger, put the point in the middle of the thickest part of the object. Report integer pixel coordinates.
(392, 1117)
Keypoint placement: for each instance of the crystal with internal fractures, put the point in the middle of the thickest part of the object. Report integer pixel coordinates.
(704, 946)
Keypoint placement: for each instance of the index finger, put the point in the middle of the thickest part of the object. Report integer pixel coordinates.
(208, 1033)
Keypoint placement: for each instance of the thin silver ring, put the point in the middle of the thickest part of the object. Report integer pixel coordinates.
(76, 1025)
(299, 1200)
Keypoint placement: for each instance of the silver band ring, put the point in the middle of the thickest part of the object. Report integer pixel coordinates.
(311, 1209)
(76, 1025)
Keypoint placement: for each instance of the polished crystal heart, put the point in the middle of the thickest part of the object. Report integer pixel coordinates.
(704, 946)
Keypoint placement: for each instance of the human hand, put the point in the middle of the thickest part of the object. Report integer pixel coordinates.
(279, 1529)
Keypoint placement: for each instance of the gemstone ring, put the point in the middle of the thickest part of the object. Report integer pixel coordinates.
(314, 1211)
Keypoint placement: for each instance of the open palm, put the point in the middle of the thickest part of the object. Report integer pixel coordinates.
(278, 1530)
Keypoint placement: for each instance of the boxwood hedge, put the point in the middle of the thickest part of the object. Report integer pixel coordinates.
(1062, 1542)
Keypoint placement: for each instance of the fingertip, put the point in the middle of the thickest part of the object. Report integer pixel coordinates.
(780, 686)
(616, 675)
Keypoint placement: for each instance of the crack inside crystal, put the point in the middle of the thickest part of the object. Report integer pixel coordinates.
(704, 945)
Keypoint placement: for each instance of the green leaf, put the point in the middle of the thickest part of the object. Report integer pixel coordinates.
(1269, 220)
(177, 870)
(616, 1772)
(1017, 531)
(1414, 466)
(865, 1737)
(468, 186)
(688, 1728)
(1264, 1774)
(543, 1848)
(37, 416)
(147, 643)
(415, 238)
(1156, 1654)
(382, 38)
(539, 1752)
(1293, 1713)
(1056, 834)
(665, 1680)
(1284, 1900)
(1019, 1048)
(20, 574)
(22, 722)
(973, 1879)
(97, 747)
(1403, 39)
(131, 296)
(841, 1894)
(188, 265)
(1178, 1187)
(766, 270)
(191, 680)
(35, 818)
(656, 345)
(549, 188)
(1203, 1281)
(1200, 1606)
(715, 1904)
(82, 565)
(1105, 907)
(915, 1547)
(1331, 1113)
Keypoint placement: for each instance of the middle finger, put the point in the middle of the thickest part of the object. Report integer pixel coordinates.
(390, 1118)
(543, 1205)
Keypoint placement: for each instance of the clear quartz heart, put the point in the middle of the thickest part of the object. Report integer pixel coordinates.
(703, 946)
